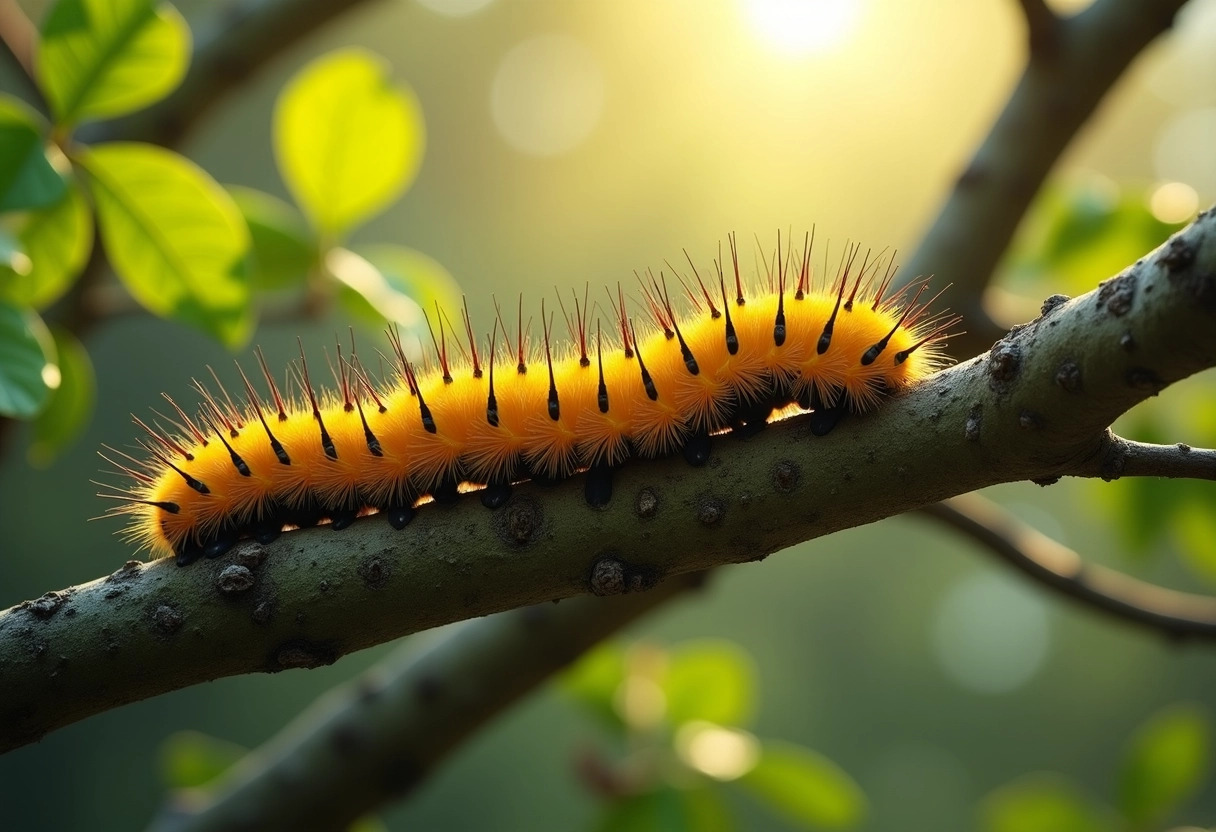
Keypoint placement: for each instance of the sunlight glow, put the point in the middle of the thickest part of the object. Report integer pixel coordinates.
(802, 27)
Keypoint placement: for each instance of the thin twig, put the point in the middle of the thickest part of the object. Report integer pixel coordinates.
(1176, 614)
(1127, 458)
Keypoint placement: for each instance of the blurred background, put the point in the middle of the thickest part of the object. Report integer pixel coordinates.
(569, 142)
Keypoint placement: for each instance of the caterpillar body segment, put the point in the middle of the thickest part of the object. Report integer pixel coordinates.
(646, 381)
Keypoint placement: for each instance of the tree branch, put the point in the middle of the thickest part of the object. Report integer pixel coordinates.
(377, 738)
(1056, 94)
(1126, 458)
(315, 595)
(1048, 562)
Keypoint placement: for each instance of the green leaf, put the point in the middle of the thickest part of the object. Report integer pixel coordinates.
(668, 810)
(712, 681)
(368, 296)
(12, 253)
(347, 140)
(593, 682)
(1040, 803)
(190, 759)
(27, 355)
(407, 274)
(806, 787)
(174, 237)
(54, 245)
(71, 404)
(1194, 528)
(1165, 763)
(284, 250)
(28, 179)
(105, 58)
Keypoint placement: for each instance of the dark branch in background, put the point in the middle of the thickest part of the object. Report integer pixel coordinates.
(377, 738)
(1059, 89)
(1053, 564)
(1042, 26)
(315, 595)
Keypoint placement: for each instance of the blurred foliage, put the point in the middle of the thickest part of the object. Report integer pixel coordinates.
(1077, 234)
(1164, 764)
(25, 346)
(678, 720)
(349, 141)
(681, 716)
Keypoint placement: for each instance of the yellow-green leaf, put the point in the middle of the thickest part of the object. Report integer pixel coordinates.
(1194, 527)
(1041, 803)
(594, 680)
(71, 404)
(1166, 762)
(806, 787)
(368, 295)
(27, 177)
(104, 58)
(712, 681)
(406, 274)
(348, 140)
(54, 245)
(27, 362)
(174, 237)
(191, 758)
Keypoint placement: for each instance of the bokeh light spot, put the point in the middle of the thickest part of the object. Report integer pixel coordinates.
(717, 752)
(547, 95)
(1174, 202)
(802, 27)
(991, 634)
(51, 376)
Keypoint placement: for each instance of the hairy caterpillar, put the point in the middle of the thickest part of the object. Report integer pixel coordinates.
(509, 410)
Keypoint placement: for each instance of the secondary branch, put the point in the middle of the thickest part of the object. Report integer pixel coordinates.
(1053, 564)
(378, 737)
